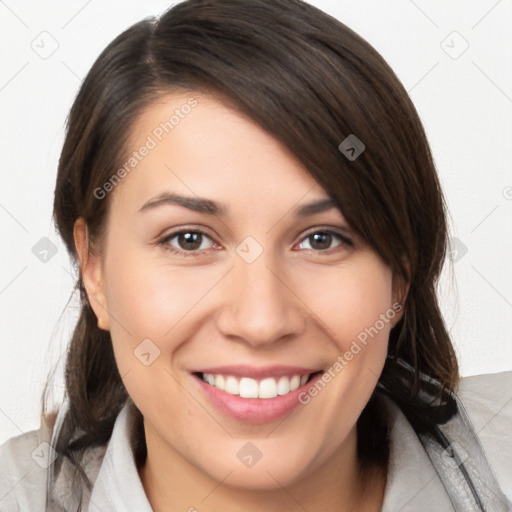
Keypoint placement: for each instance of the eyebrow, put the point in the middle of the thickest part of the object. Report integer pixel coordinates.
(202, 205)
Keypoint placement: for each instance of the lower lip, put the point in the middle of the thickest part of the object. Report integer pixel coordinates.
(255, 410)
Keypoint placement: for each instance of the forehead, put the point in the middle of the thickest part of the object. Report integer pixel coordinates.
(193, 143)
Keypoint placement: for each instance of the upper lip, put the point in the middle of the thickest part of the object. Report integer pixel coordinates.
(260, 372)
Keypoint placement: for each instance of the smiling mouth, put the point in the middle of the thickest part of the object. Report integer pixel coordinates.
(266, 388)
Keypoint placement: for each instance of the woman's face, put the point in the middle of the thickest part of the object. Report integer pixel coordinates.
(255, 286)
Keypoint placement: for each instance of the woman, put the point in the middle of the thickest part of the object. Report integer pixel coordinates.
(260, 368)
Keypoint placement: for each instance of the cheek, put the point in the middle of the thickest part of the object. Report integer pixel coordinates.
(351, 301)
(149, 300)
(356, 305)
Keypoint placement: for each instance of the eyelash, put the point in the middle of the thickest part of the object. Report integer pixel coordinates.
(165, 245)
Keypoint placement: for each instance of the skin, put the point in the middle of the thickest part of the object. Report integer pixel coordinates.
(298, 303)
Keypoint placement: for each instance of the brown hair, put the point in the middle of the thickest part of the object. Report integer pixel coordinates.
(310, 81)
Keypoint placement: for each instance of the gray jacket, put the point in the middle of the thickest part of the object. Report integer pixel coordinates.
(472, 473)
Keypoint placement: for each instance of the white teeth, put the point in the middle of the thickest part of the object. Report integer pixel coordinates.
(251, 388)
(219, 381)
(232, 386)
(283, 386)
(268, 388)
(248, 388)
(294, 382)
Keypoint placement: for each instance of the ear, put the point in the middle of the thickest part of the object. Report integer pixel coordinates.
(91, 273)
(399, 292)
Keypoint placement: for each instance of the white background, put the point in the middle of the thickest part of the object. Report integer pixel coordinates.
(465, 104)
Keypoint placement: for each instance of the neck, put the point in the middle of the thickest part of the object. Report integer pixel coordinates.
(339, 485)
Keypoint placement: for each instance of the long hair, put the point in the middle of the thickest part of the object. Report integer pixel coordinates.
(310, 82)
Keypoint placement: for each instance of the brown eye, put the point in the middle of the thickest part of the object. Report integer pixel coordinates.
(186, 241)
(322, 240)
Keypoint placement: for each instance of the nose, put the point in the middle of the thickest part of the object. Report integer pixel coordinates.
(258, 304)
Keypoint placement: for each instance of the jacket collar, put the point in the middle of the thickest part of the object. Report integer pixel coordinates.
(413, 485)
(413, 482)
(118, 486)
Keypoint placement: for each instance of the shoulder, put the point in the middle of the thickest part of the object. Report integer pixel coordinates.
(488, 383)
(488, 401)
(24, 460)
